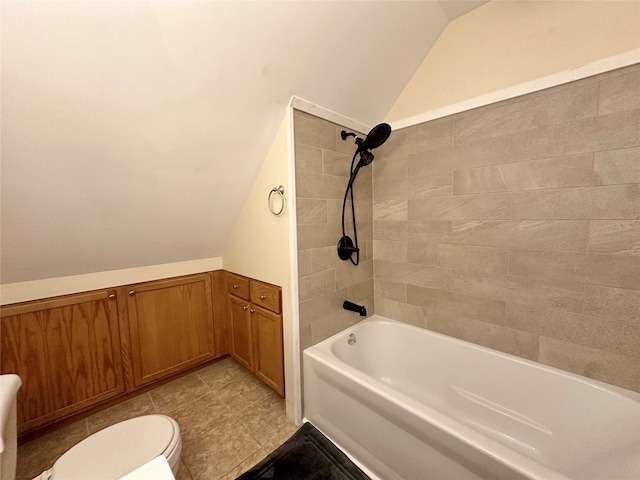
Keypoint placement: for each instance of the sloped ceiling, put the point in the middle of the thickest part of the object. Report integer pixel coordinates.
(132, 131)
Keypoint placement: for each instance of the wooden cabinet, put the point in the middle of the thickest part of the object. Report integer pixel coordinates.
(170, 325)
(256, 328)
(77, 351)
(269, 354)
(241, 332)
(66, 351)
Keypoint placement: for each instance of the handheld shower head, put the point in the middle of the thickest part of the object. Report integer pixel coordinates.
(376, 137)
(366, 158)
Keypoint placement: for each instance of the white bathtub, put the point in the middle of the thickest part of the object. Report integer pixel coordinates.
(408, 403)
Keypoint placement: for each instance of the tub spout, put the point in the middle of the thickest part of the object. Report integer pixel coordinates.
(347, 305)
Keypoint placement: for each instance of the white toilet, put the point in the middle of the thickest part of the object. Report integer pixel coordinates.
(108, 454)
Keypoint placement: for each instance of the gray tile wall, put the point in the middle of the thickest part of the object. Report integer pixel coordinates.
(517, 226)
(322, 163)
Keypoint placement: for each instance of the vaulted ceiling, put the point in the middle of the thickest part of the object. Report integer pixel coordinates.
(132, 131)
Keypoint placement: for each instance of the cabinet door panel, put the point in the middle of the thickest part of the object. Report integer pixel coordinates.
(171, 325)
(241, 333)
(67, 353)
(269, 364)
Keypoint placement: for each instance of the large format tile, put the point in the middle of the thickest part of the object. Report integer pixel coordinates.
(593, 332)
(595, 269)
(528, 234)
(489, 206)
(617, 167)
(563, 172)
(242, 392)
(212, 455)
(601, 365)
(179, 392)
(39, 454)
(461, 257)
(620, 93)
(134, 407)
(206, 413)
(620, 304)
(222, 372)
(207, 404)
(551, 107)
(620, 237)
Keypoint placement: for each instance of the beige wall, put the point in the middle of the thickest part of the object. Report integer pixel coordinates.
(259, 246)
(322, 162)
(517, 226)
(508, 43)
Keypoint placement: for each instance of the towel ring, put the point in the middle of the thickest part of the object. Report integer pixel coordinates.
(280, 191)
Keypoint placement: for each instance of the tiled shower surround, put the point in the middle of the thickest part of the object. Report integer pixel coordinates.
(515, 226)
(323, 162)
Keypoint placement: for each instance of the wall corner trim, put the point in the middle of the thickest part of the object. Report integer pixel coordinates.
(326, 114)
(53, 287)
(600, 66)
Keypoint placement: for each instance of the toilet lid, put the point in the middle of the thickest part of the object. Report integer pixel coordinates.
(119, 449)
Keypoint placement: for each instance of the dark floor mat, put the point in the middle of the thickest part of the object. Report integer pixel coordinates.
(307, 455)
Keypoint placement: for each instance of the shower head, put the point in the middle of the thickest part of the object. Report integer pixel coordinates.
(366, 158)
(377, 136)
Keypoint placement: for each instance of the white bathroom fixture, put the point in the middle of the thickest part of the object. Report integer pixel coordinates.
(109, 454)
(408, 403)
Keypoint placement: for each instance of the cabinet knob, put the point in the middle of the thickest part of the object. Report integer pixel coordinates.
(235, 286)
(112, 296)
(262, 297)
(244, 307)
(252, 310)
(132, 293)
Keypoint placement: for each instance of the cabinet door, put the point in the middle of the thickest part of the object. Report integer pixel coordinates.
(67, 353)
(269, 363)
(241, 333)
(171, 326)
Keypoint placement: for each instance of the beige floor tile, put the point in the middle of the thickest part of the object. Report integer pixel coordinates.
(211, 456)
(246, 464)
(200, 416)
(229, 421)
(243, 392)
(222, 373)
(267, 422)
(38, 455)
(135, 407)
(183, 472)
(179, 392)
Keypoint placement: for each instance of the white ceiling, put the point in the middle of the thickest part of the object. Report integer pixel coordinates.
(132, 131)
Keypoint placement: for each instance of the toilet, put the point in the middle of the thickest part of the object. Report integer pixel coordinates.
(108, 454)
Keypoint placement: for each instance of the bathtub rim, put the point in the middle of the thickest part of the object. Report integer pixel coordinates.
(376, 318)
(519, 462)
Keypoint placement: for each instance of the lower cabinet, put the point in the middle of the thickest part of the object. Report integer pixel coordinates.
(256, 328)
(67, 352)
(241, 333)
(269, 354)
(170, 326)
(76, 351)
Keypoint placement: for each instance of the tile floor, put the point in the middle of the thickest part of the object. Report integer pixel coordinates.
(229, 421)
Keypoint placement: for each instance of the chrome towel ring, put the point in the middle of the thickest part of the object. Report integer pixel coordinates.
(280, 191)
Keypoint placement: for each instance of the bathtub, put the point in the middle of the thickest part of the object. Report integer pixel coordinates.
(404, 402)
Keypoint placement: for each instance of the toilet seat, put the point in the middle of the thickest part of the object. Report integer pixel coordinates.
(121, 448)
